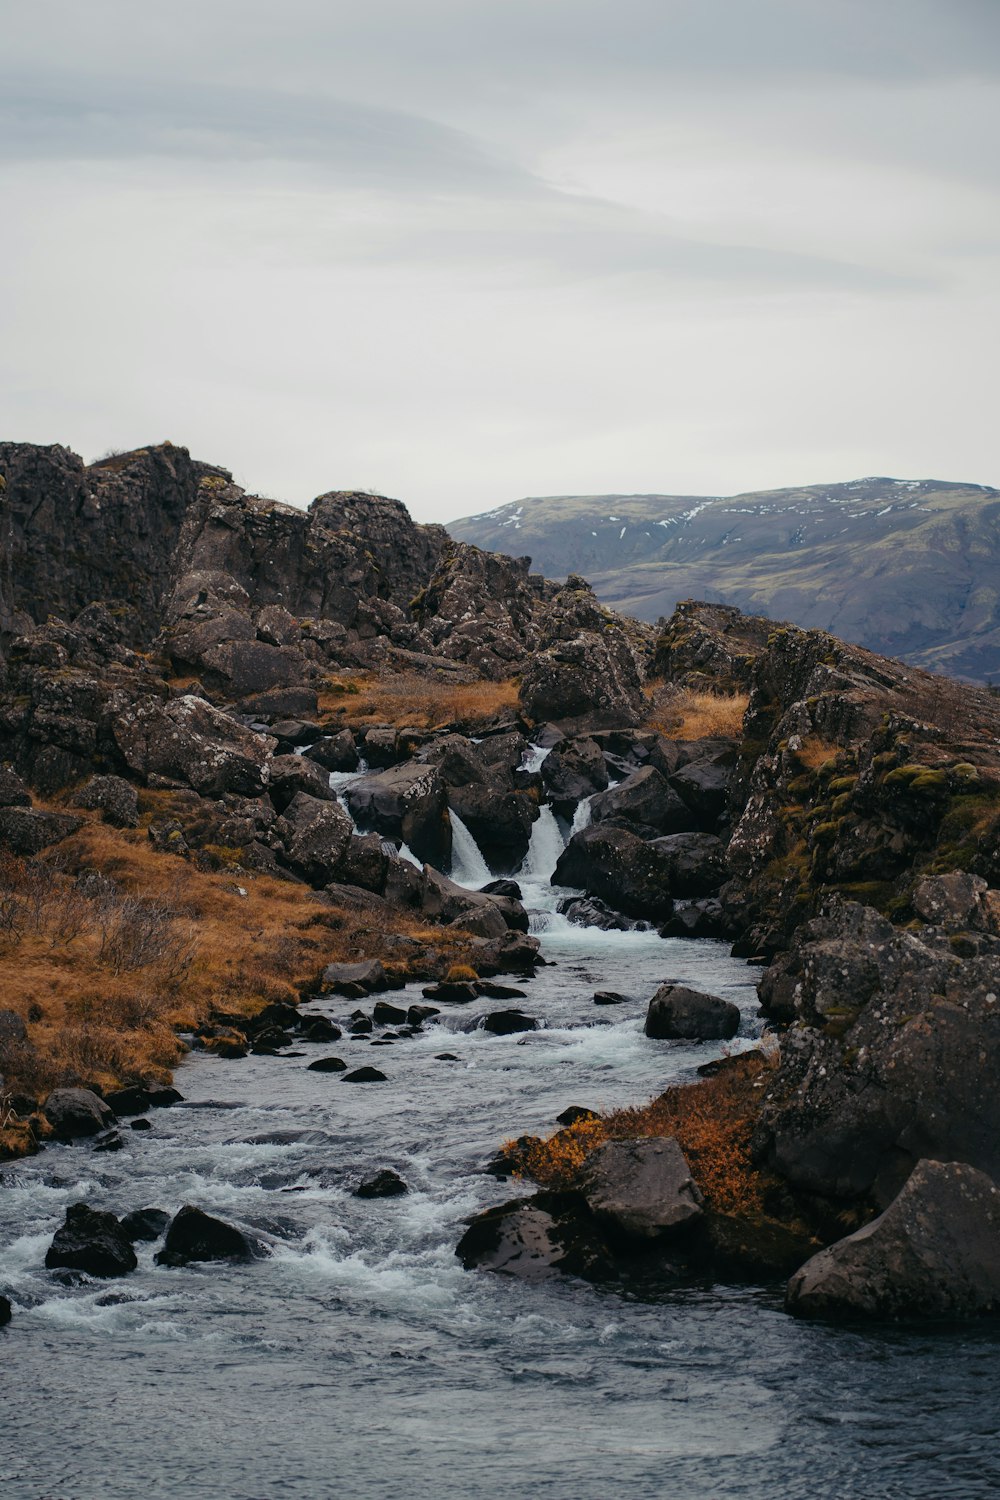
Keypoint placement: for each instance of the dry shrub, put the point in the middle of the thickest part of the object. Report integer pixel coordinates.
(712, 1122)
(694, 714)
(414, 701)
(461, 974)
(815, 752)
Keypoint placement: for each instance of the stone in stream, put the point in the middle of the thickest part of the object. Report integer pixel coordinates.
(503, 888)
(109, 1141)
(455, 993)
(384, 1184)
(445, 1057)
(490, 990)
(644, 1187)
(361, 1026)
(574, 1113)
(5, 1312)
(678, 1013)
(141, 1124)
(531, 1236)
(195, 1235)
(365, 1075)
(369, 974)
(145, 1224)
(609, 997)
(319, 1029)
(385, 1014)
(416, 1015)
(328, 1065)
(934, 1253)
(136, 1099)
(93, 1242)
(506, 1022)
(73, 1113)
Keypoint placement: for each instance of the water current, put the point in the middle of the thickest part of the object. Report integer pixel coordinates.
(358, 1359)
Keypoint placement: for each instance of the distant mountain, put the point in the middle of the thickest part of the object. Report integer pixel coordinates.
(908, 568)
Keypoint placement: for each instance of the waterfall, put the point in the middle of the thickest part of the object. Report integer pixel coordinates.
(468, 867)
(405, 852)
(582, 817)
(545, 847)
(533, 757)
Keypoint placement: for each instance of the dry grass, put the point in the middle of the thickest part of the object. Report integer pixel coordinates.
(108, 947)
(415, 701)
(712, 1121)
(815, 752)
(686, 714)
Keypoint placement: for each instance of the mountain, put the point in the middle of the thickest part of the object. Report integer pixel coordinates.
(907, 568)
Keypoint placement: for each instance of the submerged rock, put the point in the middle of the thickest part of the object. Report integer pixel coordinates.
(5, 1312)
(93, 1242)
(933, 1253)
(327, 1065)
(365, 1075)
(678, 1013)
(384, 1184)
(145, 1224)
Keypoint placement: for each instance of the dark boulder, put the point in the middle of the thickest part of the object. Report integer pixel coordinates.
(502, 888)
(515, 953)
(385, 1014)
(591, 911)
(643, 1187)
(696, 863)
(645, 798)
(700, 919)
(531, 1237)
(609, 997)
(408, 803)
(26, 830)
(92, 1242)
(451, 992)
(368, 974)
(145, 1224)
(704, 786)
(113, 797)
(328, 1065)
(506, 1022)
(319, 1029)
(933, 1253)
(290, 774)
(572, 772)
(619, 868)
(73, 1113)
(316, 837)
(586, 668)
(187, 740)
(678, 1013)
(5, 1312)
(574, 1113)
(384, 1184)
(499, 819)
(334, 752)
(365, 1075)
(13, 792)
(194, 1235)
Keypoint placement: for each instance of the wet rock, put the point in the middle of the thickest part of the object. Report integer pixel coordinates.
(92, 1242)
(416, 1015)
(26, 830)
(384, 1184)
(75, 1112)
(503, 888)
(114, 797)
(194, 1235)
(591, 911)
(704, 786)
(293, 733)
(368, 974)
(145, 1224)
(498, 817)
(933, 1253)
(609, 997)
(328, 1065)
(363, 1026)
(678, 1013)
(490, 990)
(619, 868)
(753, 1247)
(643, 1187)
(530, 1237)
(334, 752)
(445, 1057)
(319, 1029)
(408, 803)
(515, 953)
(700, 919)
(645, 798)
(506, 1022)
(385, 1014)
(5, 1312)
(365, 1075)
(454, 992)
(140, 1124)
(136, 1099)
(482, 922)
(696, 863)
(572, 772)
(109, 1141)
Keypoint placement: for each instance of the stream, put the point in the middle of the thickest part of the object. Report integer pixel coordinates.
(359, 1359)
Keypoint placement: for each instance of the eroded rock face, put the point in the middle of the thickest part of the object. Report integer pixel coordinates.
(682, 1014)
(643, 1187)
(190, 742)
(609, 862)
(648, 799)
(585, 667)
(93, 1242)
(934, 1253)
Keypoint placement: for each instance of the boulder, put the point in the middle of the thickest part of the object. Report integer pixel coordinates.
(368, 974)
(643, 1187)
(515, 953)
(384, 1014)
(365, 1075)
(75, 1112)
(384, 1184)
(507, 1022)
(187, 740)
(591, 911)
(704, 786)
(699, 919)
(194, 1235)
(609, 997)
(92, 1242)
(290, 774)
(145, 1224)
(5, 1312)
(696, 863)
(136, 1099)
(585, 669)
(334, 752)
(114, 797)
(951, 901)
(678, 1013)
(645, 798)
(241, 668)
(318, 833)
(13, 792)
(572, 772)
(620, 868)
(26, 830)
(531, 1237)
(502, 888)
(407, 803)
(328, 1065)
(933, 1253)
(499, 819)
(365, 862)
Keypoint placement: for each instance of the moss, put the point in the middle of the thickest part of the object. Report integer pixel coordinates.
(842, 784)
(825, 833)
(800, 788)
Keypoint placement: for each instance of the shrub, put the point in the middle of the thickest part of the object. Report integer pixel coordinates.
(689, 714)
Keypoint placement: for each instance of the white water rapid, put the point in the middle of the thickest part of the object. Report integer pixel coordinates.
(468, 867)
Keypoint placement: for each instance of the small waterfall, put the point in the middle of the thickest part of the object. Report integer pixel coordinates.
(533, 757)
(468, 867)
(582, 816)
(405, 852)
(545, 847)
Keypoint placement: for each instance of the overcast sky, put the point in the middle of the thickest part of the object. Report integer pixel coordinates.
(461, 251)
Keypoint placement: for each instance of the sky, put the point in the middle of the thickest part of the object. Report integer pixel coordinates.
(463, 251)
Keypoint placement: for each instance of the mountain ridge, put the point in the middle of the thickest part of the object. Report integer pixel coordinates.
(907, 568)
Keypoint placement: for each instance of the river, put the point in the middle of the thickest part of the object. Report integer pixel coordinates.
(359, 1359)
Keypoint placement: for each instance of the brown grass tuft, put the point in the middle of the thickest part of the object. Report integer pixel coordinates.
(414, 701)
(712, 1122)
(687, 714)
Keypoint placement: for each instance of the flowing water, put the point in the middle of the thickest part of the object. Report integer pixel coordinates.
(359, 1359)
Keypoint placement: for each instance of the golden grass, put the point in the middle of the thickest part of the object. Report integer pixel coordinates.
(415, 701)
(107, 947)
(689, 714)
(712, 1122)
(815, 752)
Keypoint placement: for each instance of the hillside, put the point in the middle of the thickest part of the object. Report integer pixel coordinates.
(907, 568)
